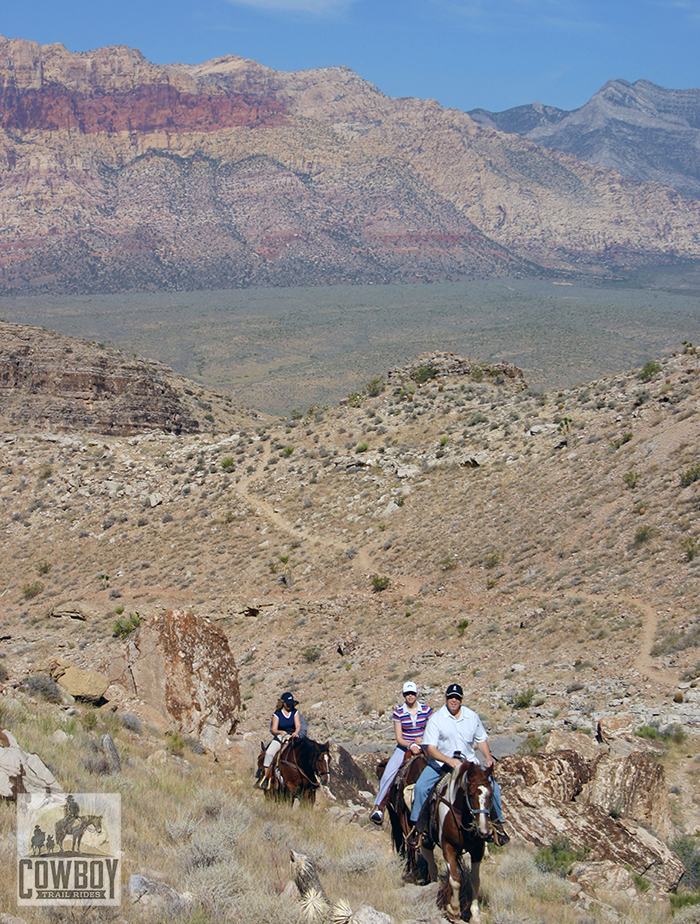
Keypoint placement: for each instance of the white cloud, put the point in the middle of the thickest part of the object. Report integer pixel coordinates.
(318, 7)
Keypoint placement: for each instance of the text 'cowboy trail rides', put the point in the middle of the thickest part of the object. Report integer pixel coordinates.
(69, 849)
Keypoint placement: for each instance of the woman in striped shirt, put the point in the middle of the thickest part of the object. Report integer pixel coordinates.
(410, 719)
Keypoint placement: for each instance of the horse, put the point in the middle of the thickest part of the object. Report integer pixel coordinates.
(37, 841)
(75, 828)
(399, 815)
(298, 769)
(459, 812)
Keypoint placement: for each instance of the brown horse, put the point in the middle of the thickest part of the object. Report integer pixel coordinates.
(75, 827)
(298, 769)
(459, 813)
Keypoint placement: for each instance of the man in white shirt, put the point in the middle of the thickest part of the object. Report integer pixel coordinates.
(453, 734)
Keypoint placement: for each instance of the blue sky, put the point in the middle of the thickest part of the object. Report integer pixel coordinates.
(465, 53)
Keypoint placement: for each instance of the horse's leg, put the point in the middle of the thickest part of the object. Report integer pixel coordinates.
(477, 854)
(453, 911)
(429, 857)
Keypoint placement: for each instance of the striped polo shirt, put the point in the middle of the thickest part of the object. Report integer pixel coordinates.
(412, 726)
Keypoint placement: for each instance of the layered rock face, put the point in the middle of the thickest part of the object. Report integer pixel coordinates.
(120, 174)
(610, 801)
(57, 382)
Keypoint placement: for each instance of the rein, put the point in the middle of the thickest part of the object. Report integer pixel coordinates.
(458, 821)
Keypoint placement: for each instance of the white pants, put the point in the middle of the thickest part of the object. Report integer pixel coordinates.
(273, 747)
(390, 771)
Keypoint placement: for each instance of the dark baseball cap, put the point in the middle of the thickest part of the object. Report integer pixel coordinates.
(454, 689)
(288, 699)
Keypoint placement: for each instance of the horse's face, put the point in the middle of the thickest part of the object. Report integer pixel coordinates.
(98, 823)
(322, 764)
(478, 790)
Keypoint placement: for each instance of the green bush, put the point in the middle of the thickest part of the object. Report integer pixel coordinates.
(29, 591)
(477, 418)
(690, 547)
(228, 464)
(531, 745)
(649, 370)
(558, 858)
(462, 625)
(362, 447)
(492, 559)
(686, 848)
(126, 624)
(691, 475)
(311, 654)
(631, 479)
(643, 534)
(288, 450)
(424, 373)
(523, 699)
(43, 567)
(380, 583)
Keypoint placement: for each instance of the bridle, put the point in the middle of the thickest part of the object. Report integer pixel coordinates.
(316, 782)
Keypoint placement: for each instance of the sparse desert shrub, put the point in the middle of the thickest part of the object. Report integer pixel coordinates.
(131, 722)
(424, 373)
(374, 388)
(692, 673)
(176, 743)
(690, 475)
(32, 589)
(3, 673)
(126, 624)
(477, 418)
(649, 370)
(288, 450)
(492, 559)
(690, 547)
(558, 858)
(621, 440)
(43, 567)
(380, 583)
(687, 849)
(362, 447)
(42, 685)
(311, 654)
(678, 641)
(195, 745)
(643, 534)
(228, 464)
(523, 699)
(531, 745)
(462, 626)
(631, 479)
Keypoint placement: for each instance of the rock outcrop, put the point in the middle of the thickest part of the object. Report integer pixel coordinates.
(181, 668)
(603, 804)
(21, 772)
(230, 174)
(48, 380)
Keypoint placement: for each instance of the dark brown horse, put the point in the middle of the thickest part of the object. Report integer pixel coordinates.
(459, 823)
(298, 769)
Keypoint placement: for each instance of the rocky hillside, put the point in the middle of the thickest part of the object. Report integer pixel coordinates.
(119, 174)
(444, 523)
(637, 129)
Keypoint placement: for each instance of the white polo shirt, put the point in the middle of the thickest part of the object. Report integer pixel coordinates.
(450, 733)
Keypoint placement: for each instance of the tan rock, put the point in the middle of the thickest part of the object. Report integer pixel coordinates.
(620, 725)
(560, 740)
(22, 772)
(82, 684)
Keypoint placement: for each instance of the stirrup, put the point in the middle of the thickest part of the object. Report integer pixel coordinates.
(414, 838)
(499, 836)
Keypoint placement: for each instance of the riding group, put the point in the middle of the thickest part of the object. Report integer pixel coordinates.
(433, 786)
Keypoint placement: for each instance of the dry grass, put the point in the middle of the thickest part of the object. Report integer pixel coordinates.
(207, 831)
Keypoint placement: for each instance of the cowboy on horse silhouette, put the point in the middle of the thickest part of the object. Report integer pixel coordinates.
(453, 734)
(71, 809)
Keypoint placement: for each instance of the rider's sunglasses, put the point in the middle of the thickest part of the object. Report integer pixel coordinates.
(409, 694)
(454, 697)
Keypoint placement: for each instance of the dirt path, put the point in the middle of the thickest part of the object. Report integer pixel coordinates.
(361, 560)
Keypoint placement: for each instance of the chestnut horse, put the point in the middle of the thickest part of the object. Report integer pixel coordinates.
(298, 769)
(459, 823)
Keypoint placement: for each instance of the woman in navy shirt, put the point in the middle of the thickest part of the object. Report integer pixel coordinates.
(286, 723)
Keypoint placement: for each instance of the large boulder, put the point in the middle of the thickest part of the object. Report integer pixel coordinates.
(599, 805)
(181, 667)
(21, 772)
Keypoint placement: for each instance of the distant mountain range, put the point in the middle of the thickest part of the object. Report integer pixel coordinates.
(638, 129)
(118, 174)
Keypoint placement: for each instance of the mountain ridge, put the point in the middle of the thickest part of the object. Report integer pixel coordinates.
(639, 129)
(121, 174)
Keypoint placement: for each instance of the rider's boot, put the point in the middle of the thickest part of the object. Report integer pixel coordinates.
(499, 836)
(419, 834)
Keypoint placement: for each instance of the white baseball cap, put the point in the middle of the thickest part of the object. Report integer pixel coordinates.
(409, 687)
